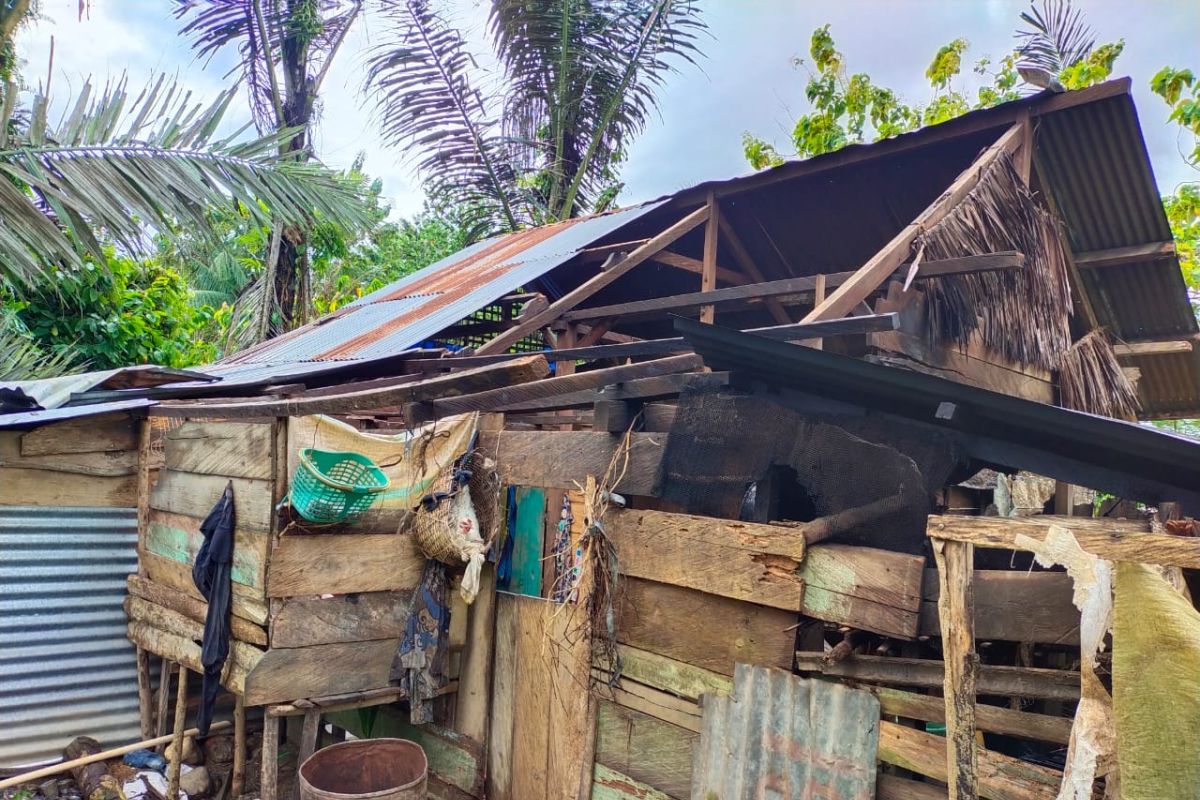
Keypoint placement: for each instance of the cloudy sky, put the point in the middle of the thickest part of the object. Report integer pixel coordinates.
(746, 82)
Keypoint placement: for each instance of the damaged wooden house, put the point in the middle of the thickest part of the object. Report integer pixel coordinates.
(824, 481)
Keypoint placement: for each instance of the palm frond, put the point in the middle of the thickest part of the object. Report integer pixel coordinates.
(115, 165)
(582, 77)
(22, 359)
(1057, 36)
(421, 83)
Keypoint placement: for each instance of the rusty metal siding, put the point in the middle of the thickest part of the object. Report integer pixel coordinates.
(778, 736)
(66, 668)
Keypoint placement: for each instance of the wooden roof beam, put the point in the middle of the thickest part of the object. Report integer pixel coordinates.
(1156, 347)
(669, 258)
(872, 274)
(594, 284)
(742, 257)
(1119, 256)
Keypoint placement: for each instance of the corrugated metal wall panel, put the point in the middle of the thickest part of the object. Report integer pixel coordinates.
(66, 668)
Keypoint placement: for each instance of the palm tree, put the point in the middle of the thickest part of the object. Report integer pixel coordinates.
(285, 49)
(577, 81)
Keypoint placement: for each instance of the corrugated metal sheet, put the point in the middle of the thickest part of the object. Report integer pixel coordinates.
(66, 668)
(417, 307)
(778, 736)
(33, 418)
(1095, 161)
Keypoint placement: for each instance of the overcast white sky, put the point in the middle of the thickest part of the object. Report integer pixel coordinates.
(746, 82)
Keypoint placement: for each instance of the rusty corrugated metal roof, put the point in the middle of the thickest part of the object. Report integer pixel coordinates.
(419, 306)
(777, 735)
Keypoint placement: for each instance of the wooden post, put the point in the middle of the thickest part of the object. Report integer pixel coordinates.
(474, 683)
(708, 276)
(145, 695)
(238, 780)
(143, 494)
(308, 738)
(177, 739)
(269, 783)
(164, 699)
(956, 607)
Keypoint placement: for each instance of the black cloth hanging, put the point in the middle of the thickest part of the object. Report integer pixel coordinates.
(211, 576)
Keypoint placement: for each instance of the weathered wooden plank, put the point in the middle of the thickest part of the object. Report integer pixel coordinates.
(504, 680)
(956, 609)
(1014, 606)
(161, 618)
(741, 560)
(993, 719)
(109, 463)
(654, 702)
(494, 399)
(559, 459)
(1046, 684)
(571, 718)
(233, 449)
(1117, 256)
(185, 651)
(247, 602)
(195, 495)
(1159, 347)
(39, 487)
(308, 621)
(893, 787)
(190, 607)
(669, 675)
(343, 564)
(517, 370)
(525, 576)
(1001, 777)
(863, 588)
(301, 672)
(178, 538)
(695, 627)
(473, 703)
(531, 701)
(608, 784)
(1110, 540)
(86, 435)
(649, 750)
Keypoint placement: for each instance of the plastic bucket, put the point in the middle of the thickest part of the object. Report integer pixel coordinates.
(378, 769)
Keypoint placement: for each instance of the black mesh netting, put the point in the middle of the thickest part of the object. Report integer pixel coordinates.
(725, 448)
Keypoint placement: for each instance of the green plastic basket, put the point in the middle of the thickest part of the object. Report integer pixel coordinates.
(335, 487)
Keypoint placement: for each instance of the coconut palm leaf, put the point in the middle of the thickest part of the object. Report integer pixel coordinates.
(1057, 36)
(420, 79)
(116, 163)
(21, 359)
(581, 78)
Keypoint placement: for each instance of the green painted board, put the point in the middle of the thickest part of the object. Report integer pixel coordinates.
(179, 545)
(528, 532)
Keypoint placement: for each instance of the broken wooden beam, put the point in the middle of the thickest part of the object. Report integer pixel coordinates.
(1158, 347)
(989, 718)
(1112, 540)
(517, 371)
(1002, 681)
(1118, 256)
(494, 399)
(872, 274)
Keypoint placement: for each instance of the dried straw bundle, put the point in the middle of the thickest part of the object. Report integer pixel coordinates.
(1021, 314)
(1091, 380)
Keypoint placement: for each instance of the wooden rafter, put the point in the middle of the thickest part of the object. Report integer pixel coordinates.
(1159, 347)
(884, 263)
(589, 287)
(1119, 256)
(743, 259)
(687, 263)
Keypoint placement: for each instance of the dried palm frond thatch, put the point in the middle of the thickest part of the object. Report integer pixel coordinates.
(1022, 314)
(1091, 380)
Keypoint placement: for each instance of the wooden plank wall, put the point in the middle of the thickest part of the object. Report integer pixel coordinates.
(90, 462)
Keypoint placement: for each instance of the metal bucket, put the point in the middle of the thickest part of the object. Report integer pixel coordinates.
(367, 769)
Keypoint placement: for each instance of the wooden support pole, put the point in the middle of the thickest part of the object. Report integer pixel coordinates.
(177, 739)
(708, 278)
(308, 736)
(956, 608)
(145, 695)
(143, 493)
(164, 699)
(238, 779)
(884, 263)
(269, 782)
